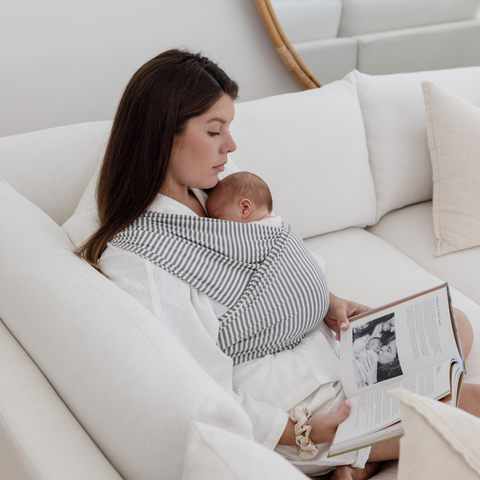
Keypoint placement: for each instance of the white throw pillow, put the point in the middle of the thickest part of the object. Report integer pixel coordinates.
(440, 441)
(453, 128)
(311, 150)
(52, 167)
(216, 454)
(395, 124)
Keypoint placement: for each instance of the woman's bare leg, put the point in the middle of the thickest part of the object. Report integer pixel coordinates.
(379, 453)
(465, 332)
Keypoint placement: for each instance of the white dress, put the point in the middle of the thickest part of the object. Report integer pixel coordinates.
(268, 387)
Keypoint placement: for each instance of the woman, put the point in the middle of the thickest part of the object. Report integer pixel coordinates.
(169, 142)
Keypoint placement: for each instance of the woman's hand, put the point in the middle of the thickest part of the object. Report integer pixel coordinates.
(325, 426)
(369, 368)
(338, 312)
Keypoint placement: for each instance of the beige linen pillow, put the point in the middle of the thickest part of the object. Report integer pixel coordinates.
(440, 441)
(453, 129)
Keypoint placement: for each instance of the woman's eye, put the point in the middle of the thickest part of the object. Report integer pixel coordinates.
(213, 134)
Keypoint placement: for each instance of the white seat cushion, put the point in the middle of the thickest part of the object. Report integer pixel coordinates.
(410, 230)
(301, 144)
(364, 268)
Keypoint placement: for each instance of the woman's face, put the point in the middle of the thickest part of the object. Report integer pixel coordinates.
(199, 154)
(388, 352)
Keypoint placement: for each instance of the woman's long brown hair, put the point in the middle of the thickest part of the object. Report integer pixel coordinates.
(157, 103)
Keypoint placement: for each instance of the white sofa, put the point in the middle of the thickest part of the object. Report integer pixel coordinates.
(93, 386)
(381, 37)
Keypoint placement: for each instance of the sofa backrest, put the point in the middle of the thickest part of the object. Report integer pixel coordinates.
(360, 17)
(52, 167)
(395, 121)
(311, 150)
(130, 383)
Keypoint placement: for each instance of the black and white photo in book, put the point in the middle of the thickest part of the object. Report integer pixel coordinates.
(375, 355)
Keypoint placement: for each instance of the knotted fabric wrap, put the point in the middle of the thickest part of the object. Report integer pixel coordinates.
(275, 290)
(306, 448)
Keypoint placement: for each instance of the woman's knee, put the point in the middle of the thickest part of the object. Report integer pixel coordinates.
(465, 331)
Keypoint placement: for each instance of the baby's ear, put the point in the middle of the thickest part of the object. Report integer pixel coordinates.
(246, 207)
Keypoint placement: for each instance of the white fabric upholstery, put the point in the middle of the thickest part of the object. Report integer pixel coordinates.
(395, 124)
(309, 19)
(300, 144)
(422, 48)
(368, 270)
(440, 441)
(39, 437)
(102, 351)
(214, 454)
(52, 167)
(453, 127)
(410, 230)
(339, 54)
(369, 16)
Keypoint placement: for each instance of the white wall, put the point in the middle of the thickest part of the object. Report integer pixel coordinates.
(65, 61)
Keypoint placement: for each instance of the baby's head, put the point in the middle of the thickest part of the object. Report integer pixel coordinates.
(241, 197)
(374, 344)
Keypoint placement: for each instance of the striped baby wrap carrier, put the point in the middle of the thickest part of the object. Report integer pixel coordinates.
(274, 289)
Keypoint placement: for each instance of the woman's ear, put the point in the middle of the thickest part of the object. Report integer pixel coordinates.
(246, 208)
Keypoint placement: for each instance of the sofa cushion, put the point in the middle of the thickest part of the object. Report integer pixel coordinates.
(124, 376)
(364, 268)
(431, 47)
(39, 437)
(410, 230)
(453, 127)
(52, 167)
(301, 144)
(340, 54)
(308, 20)
(440, 441)
(395, 124)
(369, 16)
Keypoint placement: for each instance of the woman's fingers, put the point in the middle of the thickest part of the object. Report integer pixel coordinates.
(325, 426)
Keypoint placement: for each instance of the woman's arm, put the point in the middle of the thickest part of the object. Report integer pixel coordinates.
(339, 311)
(323, 426)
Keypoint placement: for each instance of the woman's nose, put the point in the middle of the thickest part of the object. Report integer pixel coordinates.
(230, 145)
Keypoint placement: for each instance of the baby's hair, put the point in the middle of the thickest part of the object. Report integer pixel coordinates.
(248, 185)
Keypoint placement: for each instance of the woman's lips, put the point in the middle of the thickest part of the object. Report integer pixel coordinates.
(221, 167)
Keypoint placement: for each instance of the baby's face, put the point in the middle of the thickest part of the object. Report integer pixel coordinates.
(374, 344)
(222, 208)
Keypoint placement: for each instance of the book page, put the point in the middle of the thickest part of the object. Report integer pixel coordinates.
(396, 340)
(376, 409)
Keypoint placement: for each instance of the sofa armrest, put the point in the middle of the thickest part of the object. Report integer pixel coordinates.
(39, 437)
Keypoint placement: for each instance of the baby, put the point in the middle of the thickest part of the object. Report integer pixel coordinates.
(242, 197)
(372, 348)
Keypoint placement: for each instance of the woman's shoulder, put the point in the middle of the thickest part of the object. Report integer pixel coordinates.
(164, 204)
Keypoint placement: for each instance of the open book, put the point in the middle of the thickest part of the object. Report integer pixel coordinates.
(413, 344)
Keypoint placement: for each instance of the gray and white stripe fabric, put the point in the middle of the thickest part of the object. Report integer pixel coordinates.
(275, 290)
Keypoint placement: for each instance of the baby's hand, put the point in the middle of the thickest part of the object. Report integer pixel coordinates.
(325, 426)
